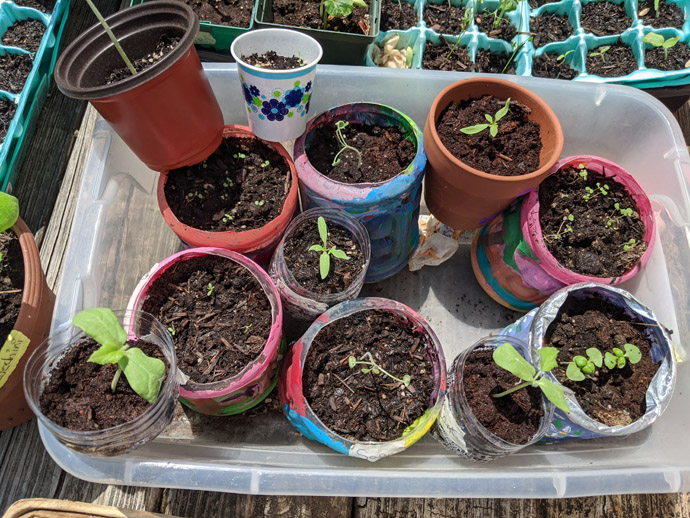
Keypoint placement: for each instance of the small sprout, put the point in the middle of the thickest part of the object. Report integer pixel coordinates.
(228, 183)
(326, 253)
(171, 330)
(195, 194)
(618, 358)
(265, 164)
(583, 171)
(226, 218)
(629, 245)
(508, 358)
(580, 365)
(657, 40)
(465, 23)
(259, 203)
(561, 57)
(504, 6)
(600, 53)
(492, 125)
(209, 288)
(247, 328)
(373, 367)
(240, 156)
(613, 219)
(204, 164)
(338, 9)
(340, 126)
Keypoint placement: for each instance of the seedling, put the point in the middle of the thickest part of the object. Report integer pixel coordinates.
(9, 212)
(465, 22)
(600, 53)
(568, 228)
(516, 49)
(508, 358)
(195, 194)
(580, 365)
(657, 40)
(504, 6)
(326, 253)
(209, 288)
(619, 358)
(171, 330)
(259, 203)
(583, 171)
(112, 37)
(561, 58)
(228, 183)
(338, 9)
(368, 360)
(265, 164)
(204, 164)
(492, 125)
(592, 193)
(226, 218)
(613, 220)
(339, 127)
(247, 328)
(632, 243)
(143, 373)
(240, 156)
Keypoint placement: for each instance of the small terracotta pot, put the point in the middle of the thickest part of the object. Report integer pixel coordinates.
(167, 114)
(463, 197)
(258, 243)
(33, 322)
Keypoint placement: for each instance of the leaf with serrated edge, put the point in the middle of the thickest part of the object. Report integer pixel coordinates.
(102, 325)
(144, 374)
(574, 373)
(547, 356)
(594, 356)
(107, 354)
(632, 353)
(554, 393)
(509, 359)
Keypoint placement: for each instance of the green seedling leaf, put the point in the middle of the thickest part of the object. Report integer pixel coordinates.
(102, 325)
(554, 393)
(339, 254)
(503, 111)
(324, 264)
(588, 369)
(371, 366)
(574, 373)
(352, 361)
(316, 248)
(618, 352)
(580, 361)
(610, 360)
(621, 363)
(594, 356)
(508, 358)
(654, 39)
(144, 374)
(472, 130)
(9, 211)
(547, 358)
(107, 354)
(406, 380)
(326, 253)
(323, 229)
(632, 353)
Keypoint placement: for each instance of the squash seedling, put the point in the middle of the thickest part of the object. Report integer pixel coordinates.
(9, 212)
(371, 366)
(143, 373)
(339, 127)
(326, 253)
(338, 9)
(580, 365)
(619, 358)
(600, 53)
(657, 40)
(492, 125)
(508, 358)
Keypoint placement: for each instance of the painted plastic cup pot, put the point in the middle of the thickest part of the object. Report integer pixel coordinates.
(457, 427)
(389, 210)
(167, 114)
(117, 439)
(466, 198)
(511, 260)
(277, 101)
(257, 243)
(534, 326)
(304, 304)
(302, 417)
(249, 387)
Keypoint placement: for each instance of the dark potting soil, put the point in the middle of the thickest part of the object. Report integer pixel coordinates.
(485, 23)
(446, 56)
(7, 111)
(241, 186)
(45, 6)
(163, 48)
(603, 18)
(538, 3)
(547, 65)
(236, 13)
(492, 63)
(618, 61)
(549, 27)
(273, 61)
(514, 418)
(11, 282)
(304, 264)
(594, 242)
(669, 15)
(678, 58)
(25, 34)
(385, 153)
(444, 18)
(397, 14)
(368, 407)
(217, 313)
(513, 152)
(78, 396)
(305, 13)
(616, 396)
(14, 69)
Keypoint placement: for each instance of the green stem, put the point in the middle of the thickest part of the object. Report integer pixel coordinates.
(113, 39)
(373, 364)
(116, 378)
(511, 390)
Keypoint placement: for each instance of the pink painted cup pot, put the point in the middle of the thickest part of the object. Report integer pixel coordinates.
(251, 386)
(511, 260)
(258, 243)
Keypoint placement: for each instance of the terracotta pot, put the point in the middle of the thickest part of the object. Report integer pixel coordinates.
(33, 323)
(463, 197)
(257, 243)
(167, 114)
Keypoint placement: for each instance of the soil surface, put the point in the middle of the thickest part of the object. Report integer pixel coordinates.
(305, 13)
(491, 63)
(367, 406)
(217, 313)
(385, 153)
(163, 47)
(604, 18)
(398, 15)
(304, 264)
(7, 111)
(538, 3)
(594, 242)
(678, 58)
(549, 27)
(616, 396)
(512, 152)
(514, 418)
(78, 395)
(485, 23)
(14, 69)
(617, 61)
(26, 34)
(446, 56)
(241, 186)
(273, 61)
(11, 282)
(547, 65)
(669, 15)
(45, 6)
(444, 18)
(236, 13)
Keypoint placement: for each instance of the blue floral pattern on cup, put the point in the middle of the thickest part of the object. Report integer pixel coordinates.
(277, 104)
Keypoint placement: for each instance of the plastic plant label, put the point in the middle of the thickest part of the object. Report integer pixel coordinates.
(204, 38)
(12, 351)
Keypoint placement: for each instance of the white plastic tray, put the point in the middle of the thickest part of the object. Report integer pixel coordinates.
(118, 234)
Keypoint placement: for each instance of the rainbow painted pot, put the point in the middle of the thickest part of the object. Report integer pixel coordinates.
(389, 210)
(300, 414)
(511, 260)
(249, 387)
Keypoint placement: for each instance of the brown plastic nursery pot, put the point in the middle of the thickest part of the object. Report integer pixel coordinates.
(464, 197)
(167, 114)
(33, 322)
